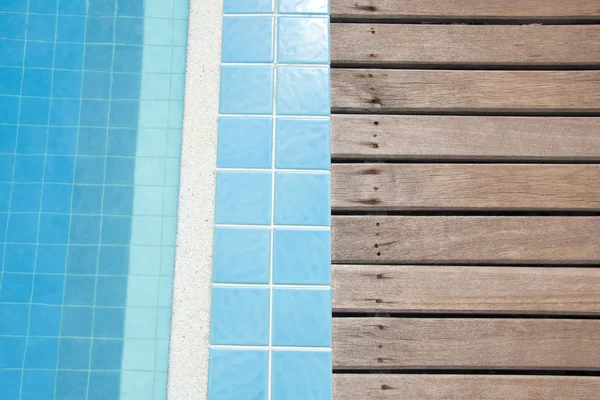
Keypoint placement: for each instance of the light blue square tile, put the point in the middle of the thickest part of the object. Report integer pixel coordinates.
(139, 354)
(239, 316)
(247, 39)
(146, 230)
(162, 355)
(302, 199)
(248, 6)
(301, 375)
(241, 255)
(140, 323)
(142, 291)
(158, 31)
(158, 8)
(303, 91)
(157, 59)
(181, 8)
(238, 374)
(136, 385)
(150, 171)
(243, 198)
(144, 260)
(304, 6)
(163, 323)
(303, 40)
(155, 87)
(245, 142)
(246, 89)
(160, 385)
(302, 143)
(301, 256)
(165, 290)
(154, 114)
(302, 317)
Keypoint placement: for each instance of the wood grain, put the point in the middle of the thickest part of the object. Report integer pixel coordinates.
(463, 387)
(476, 9)
(409, 288)
(416, 91)
(394, 187)
(465, 44)
(465, 239)
(396, 343)
(464, 137)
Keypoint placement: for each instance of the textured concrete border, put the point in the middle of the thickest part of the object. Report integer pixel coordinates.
(188, 355)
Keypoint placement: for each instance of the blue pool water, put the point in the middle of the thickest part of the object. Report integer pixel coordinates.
(91, 108)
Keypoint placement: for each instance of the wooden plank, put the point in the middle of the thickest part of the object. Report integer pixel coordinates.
(461, 387)
(465, 239)
(507, 343)
(465, 44)
(460, 9)
(409, 288)
(374, 90)
(391, 187)
(464, 137)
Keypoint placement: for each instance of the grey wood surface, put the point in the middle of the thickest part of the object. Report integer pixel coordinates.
(397, 343)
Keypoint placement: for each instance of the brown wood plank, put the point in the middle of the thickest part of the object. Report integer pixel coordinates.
(465, 239)
(477, 9)
(373, 90)
(507, 343)
(464, 137)
(462, 387)
(393, 187)
(465, 44)
(409, 288)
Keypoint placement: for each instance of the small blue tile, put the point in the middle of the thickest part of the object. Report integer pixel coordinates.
(303, 91)
(301, 256)
(92, 141)
(302, 144)
(114, 260)
(17, 314)
(51, 259)
(71, 384)
(68, 56)
(45, 320)
(66, 84)
(129, 31)
(19, 257)
(41, 352)
(7, 162)
(109, 322)
(128, 58)
(48, 289)
(65, 112)
(59, 169)
(37, 385)
(124, 113)
(37, 82)
(303, 40)
(74, 353)
(239, 316)
(96, 85)
(98, 57)
(13, 351)
(301, 317)
(116, 230)
(104, 385)
(243, 198)
(130, 8)
(77, 321)
(43, 6)
(89, 170)
(11, 52)
(32, 140)
(10, 382)
(111, 291)
(87, 199)
(302, 375)
(41, 27)
(79, 290)
(241, 255)
(26, 197)
(9, 109)
(72, 7)
(82, 260)
(16, 288)
(247, 39)
(238, 374)
(122, 142)
(120, 170)
(5, 189)
(125, 86)
(85, 229)
(12, 26)
(245, 142)
(22, 228)
(8, 138)
(39, 54)
(246, 90)
(118, 200)
(10, 80)
(101, 7)
(106, 354)
(248, 6)
(71, 28)
(304, 6)
(302, 199)
(100, 30)
(34, 110)
(56, 198)
(94, 112)
(54, 228)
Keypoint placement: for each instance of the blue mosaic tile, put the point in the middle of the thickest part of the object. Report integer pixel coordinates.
(238, 374)
(243, 198)
(248, 6)
(246, 90)
(303, 40)
(247, 39)
(302, 199)
(239, 315)
(10, 381)
(245, 142)
(104, 385)
(302, 375)
(71, 384)
(37, 384)
(41, 352)
(74, 353)
(241, 255)
(45, 320)
(77, 321)
(302, 143)
(304, 6)
(301, 256)
(70, 28)
(303, 91)
(301, 317)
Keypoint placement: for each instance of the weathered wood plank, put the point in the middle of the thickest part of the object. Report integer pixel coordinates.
(461, 387)
(459, 9)
(465, 187)
(464, 137)
(409, 288)
(465, 44)
(386, 343)
(374, 90)
(465, 239)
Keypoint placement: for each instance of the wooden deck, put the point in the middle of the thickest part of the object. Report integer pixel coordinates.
(466, 199)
